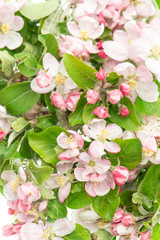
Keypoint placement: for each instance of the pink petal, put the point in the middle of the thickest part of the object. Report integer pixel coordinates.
(8, 176)
(98, 32)
(89, 187)
(96, 149)
(114, 131)
(101, 189)
(78, 172)
(147, 141)
(63, 193)
(73, 29)
(31, 231)
(153, 65)
(18, 24)
(52, 183)
(64, 166)
(116, 50)
(112, 147)
(62, 140)
(147, 91)
(62, 227)
(144, 74)
(6, 15)
(84, 157)
(36, 88)
(3, 39)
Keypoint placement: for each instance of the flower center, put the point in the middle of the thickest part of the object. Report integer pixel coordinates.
(46, 234)
(60, 80)
(103, 135)
(15, 184)
(132, 81)
(5, 28)
(155, 52)
(148, 152)
(69, 140)
(84, 35)
(102, 223)
(61, 180)
(92, 163)
(32, 212)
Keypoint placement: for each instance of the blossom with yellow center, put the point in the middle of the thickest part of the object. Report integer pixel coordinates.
(15, 184)
(46, 234)
(60, 80)
(92, 163)
(148, 152)
(5, 28)
(84, 35)
(155, 52)
(61, 180)
(104, 134)
(101, 223)
(32, 212)
(69, 140)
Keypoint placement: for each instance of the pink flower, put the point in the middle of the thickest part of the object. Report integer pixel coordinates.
(118, 215)
(58, 101)
(125, 88)
(127, 220)
(72, 100)
(10, 24)
(4, 124)
(97, 129)
(92, 96)
(121, 175)
(145, 236)
(124, 112)
(43, 205)
(95, 6)
(115, 96)
(101, 75)
(133, 174)
(119, 229)
(28, 193)
(100, 112)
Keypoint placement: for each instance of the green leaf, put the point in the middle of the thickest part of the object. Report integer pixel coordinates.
(156, 232)
(25, 150)
(19, 124)
(50, 44)
(27, 65)
(126, 201)
(103, 235)
(82, 74)
(18, 98)
(106, 205)
(105, 33)
(8, 62)
(63, 28)
(130, 122)
(44, 143)
(41, 173)
(8, 152)
(113, 78)
(78, 200)
(39, 10)
(76, 116)
(88, 112)
(158, 3)
(80, 233)
(49, 104)
(45, 122)
(150, 185)
(140, 198)
(56, 210)
(130, 155)
(46, 193)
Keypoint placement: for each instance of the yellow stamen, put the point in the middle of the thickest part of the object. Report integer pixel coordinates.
(61, 180)
(32, 212)
(148, 152)
(69, 140)
(92, 163)
(102, 223)
(5, 28)
(155, 52)
(84, 35)
(46, 234)
(15, 184)
(60, 80)
(103, 135)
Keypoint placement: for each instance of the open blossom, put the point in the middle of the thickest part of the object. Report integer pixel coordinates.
(88, 28)
(119, 229)
(97, 130)
(95, 6)
(53, 75)
(28, 192)
(10, 24)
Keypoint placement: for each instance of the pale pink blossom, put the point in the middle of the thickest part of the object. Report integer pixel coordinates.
(95, 6)
(97, 130)
(127, 220)
(58, 101)
(10, 24)
(92, 96)
(118, 215)
(124, 112)
(72, 100)
(121, 175)
(13, 4)
(101, 75)
(145, 236)
(28, 192)
(110, 17)
(43, 205)
(88, 28)
(115, 96)
(100, 112)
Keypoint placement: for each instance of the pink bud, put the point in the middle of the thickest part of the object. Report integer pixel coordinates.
(115, 96)
(7, 230)
(125, 88)
(72, 100)
(100, 112)
(101, 19)
(118, 215)
(124, 112)
(101, 75)
(2, 134)
(11, 211)
(146, 236)
(114, 230)
(99, 45)
(127, 220)
(58, 101)
(102, 54)
(17, 228)
(120, 175)
(92, 96)
(44, 79)
(133, 174)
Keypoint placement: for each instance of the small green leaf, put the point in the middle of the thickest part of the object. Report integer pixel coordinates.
(106, 205)
(80, 233)
(46, 193)
(45, 122)
(113, 78)
(126, 201)
(19, 124)
(140, 198)
(130, 155)
(56, 210)
(41, 173)
(27, 65)
(50, 44)
(103, 235)
(8, 62)
(18, 98)
(8, 152)
(82, 74)
(78, 200)
(25, 150)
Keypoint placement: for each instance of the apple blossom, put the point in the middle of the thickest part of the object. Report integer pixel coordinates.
(127, 220)
(118, 215)
(100, 112)
(58, 101)
(121, 175)
(101, 75)
(14, 4)
(125, 89)
(72, 100)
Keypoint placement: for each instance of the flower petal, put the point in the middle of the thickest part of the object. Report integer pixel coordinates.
(112, 147)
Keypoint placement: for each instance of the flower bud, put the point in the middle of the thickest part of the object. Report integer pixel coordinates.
(114, 230)
(101, 112)
(125, 88)
(118, 215)
(115, 96)
(127, 220)
(124, 112)
(133, 174)
(92, 96)
(7, 230)
(72, 100)
(58, 101)
(44, 79)
(99, 45)
(121, 175)
(102, 54)
(145, 236)
(2, 134)
(101, 75)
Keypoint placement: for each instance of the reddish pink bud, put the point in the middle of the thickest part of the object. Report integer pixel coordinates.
(99, 45)
(120, 175)
(11, 211)
(101, 75)
(124, 112)
(118, 215)
(2, 134)
(102, 54)
(114, 230)
(115, 96)
(146, 236)
(127, 220)
(125, 88)
(101, 112)
(92, 96)
(44, 79)
(17, 228)
(101, 19)
(58, 101)
(7, 230)
(72, 100)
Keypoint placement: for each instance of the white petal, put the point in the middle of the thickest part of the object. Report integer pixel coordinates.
(50, 63)
(147, 91)
(14, 40)
(62, 227)
(36, 88)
